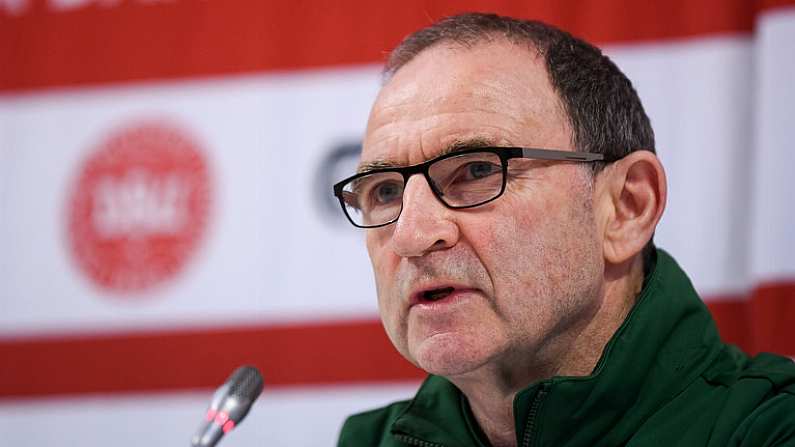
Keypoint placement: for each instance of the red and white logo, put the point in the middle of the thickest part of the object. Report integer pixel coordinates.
(140, 207)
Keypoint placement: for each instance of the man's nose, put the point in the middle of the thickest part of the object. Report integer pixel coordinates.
(425, 224)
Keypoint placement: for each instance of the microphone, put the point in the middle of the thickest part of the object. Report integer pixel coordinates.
(229, 406)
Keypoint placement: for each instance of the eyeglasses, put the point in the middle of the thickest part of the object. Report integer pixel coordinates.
(462, 179)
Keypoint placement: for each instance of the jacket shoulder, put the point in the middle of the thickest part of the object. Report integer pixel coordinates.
(760, 394)
(371, 428)
(767, 374)
(771, 424)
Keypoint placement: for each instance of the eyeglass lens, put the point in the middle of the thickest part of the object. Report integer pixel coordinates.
(458, 181)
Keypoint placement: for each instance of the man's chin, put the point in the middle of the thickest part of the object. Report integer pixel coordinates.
(448, 355)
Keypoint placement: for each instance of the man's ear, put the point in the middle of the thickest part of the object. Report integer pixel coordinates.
(635, 192)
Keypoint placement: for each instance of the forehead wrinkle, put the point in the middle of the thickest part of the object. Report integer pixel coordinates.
(457, 145)
(415, 103)
(481, 135)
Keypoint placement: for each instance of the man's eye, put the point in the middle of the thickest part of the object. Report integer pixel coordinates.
(478, 170)
(386, 192)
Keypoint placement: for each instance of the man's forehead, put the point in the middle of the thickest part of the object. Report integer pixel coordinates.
(459, 144)
(496, 93)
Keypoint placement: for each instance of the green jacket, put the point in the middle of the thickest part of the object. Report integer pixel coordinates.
(664, 379)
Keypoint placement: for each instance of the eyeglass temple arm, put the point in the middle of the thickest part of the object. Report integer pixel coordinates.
(548, 154)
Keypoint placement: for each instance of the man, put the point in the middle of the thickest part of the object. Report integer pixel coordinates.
(510, 191)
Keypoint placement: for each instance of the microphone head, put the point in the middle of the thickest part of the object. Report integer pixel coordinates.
(246, 383)
(229, 405)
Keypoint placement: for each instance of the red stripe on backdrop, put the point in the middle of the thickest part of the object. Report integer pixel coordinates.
(331, 353)
(771, 317)
(93, 43)
(765, 322)
(290, 355)
(770, 5)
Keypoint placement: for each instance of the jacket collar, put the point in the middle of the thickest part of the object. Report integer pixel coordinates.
(666, 341)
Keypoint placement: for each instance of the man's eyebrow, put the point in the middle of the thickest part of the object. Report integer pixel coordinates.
(467, 143)
(456, 146)
(376, 164)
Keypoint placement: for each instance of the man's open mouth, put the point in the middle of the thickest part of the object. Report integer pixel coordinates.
(436, 294)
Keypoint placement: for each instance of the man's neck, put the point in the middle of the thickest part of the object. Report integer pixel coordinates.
(491, 390)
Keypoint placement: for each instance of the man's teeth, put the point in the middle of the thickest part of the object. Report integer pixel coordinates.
(437, 294)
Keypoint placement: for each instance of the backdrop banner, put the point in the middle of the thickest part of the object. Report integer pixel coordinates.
(166, 211)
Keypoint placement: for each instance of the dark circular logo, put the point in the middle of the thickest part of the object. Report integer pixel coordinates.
(339, 162)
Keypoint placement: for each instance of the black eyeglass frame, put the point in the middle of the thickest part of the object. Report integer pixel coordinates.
(504, 153)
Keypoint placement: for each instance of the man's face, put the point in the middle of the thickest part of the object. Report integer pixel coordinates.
(526, 269)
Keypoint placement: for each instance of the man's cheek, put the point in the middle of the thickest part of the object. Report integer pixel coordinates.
(502, 237)
(395, 325)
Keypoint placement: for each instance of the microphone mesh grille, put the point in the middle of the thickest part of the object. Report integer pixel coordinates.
(246, 382)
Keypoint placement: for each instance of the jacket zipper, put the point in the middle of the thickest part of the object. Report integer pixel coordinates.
(530, 426)
(528, 432)
(406, 439)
